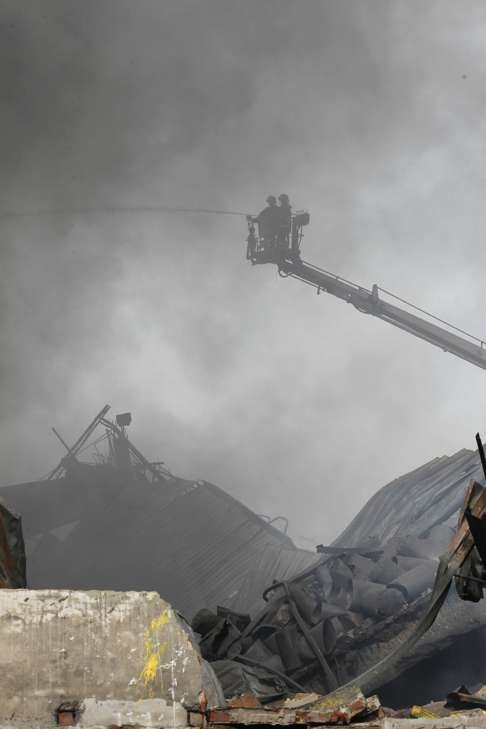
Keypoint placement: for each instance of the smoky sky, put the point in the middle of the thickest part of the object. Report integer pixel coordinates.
(369, 113)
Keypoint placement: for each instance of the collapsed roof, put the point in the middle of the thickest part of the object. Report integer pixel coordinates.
(413, 504)
(126, 524)
(98, 528)
(370, 589)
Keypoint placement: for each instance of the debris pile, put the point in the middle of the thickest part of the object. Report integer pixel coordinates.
(315, 628)
(308, 709)
(347, 706)
(272, 619)
(337, 622)
(461, 701)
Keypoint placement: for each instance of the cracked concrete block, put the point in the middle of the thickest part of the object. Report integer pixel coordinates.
(63, 645)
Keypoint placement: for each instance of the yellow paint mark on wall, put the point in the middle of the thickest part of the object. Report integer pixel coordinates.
(156, 623)
(152, 648)
(151, 665)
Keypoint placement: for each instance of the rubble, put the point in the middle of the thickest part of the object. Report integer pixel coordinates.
(462, 698)
(333, 625)
(345, 707)
(314, 627)
(106, 660)
(308, 709)
(274, 621)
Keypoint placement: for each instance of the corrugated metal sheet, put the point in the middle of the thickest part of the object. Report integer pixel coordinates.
(190, 541)
(12, 554)
(422, 507)
(274, 563)
(417, 502)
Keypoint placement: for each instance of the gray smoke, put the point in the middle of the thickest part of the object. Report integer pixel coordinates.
(370, 114)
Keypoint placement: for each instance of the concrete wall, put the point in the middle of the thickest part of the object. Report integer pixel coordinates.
(59, 645)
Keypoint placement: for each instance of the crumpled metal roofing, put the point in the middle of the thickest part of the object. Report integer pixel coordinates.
(276, 562)
(415, 503)
(101, 528)
(421, 509)
(344, 616)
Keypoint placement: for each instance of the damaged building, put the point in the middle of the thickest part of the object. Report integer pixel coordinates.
(127, 524)
(271, 618)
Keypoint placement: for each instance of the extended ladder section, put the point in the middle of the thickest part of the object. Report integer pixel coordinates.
(283, 249)
(461, 344)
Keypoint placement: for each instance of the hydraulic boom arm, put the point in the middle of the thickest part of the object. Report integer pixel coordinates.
(289, 263)
(369, 302)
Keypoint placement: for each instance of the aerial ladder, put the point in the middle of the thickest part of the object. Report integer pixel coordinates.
(284, 250)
